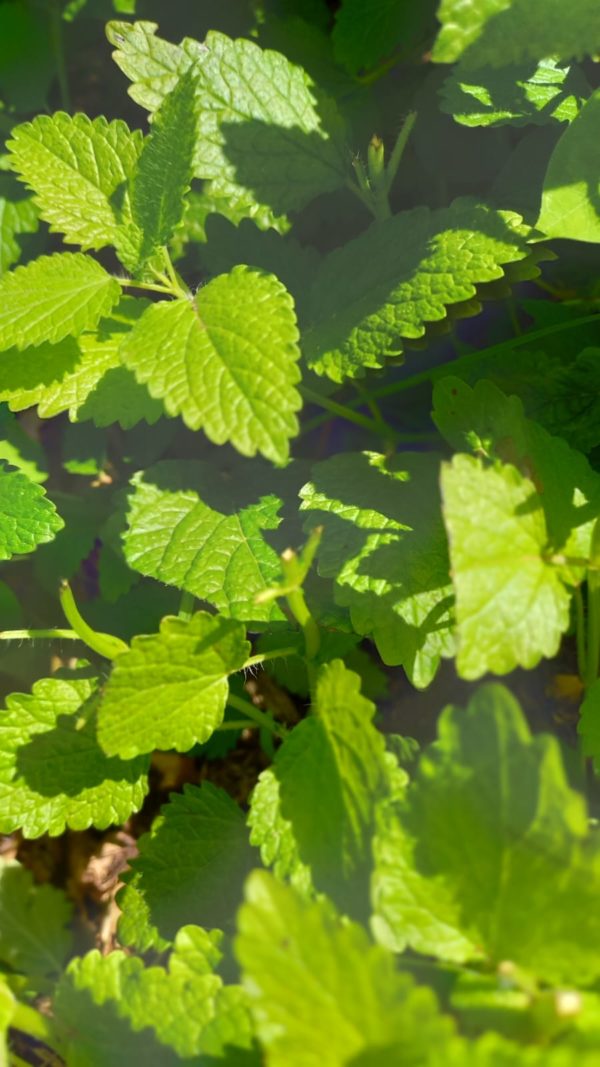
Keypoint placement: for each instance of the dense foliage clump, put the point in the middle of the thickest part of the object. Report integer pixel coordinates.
(299, 379)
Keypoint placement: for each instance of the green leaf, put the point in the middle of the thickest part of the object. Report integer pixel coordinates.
(53, 297)
(401, 274)
(331, 770)
(364, 35)
(526, 93)
(78, 169)
(511, 605)
(385, 546)
(34, 938)
(27, 517)
(171, 688)
(20, 450)
(53, 772)
(483, 420)
(185, 1004)
(274, 835)
(322, 993)
(495, 844)
(162, 176)
(188, 526)
(496, 32)
(571, 185)
(83, 376)
(135, 928)
(191, 867)
(275, 115)
(16, 217)
(221, 365)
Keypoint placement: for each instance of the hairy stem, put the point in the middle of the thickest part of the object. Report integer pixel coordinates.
(106, 645)
(53, 634)
(275, 653)
(344, 412)
(257, 716)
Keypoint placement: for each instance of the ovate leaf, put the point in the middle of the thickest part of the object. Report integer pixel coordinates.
(526, 93)
(52, 297)
(572, 182)
(253, 106)
(34, 935)
(511, 605)
(191, 868)
(78, 169)
(16, 217)
(496, 32)
(331, 770)
(364, 35)
(27, 517)
(188, 526)
(489, 813)
(484, 420)
(321, 993)
(171, 688)
(83, 376)
(401, 274)
(162, 176)
(274, 835)
(53, 772)
(225, 360)
(184, 1003)
(385, 546)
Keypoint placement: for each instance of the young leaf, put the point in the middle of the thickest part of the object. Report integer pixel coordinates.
(496, 32)
(53, 772)
(34, 919)
(16, 217)
(401, 274)
(83, 376)
(53, 297)
(321, 993)
(511, 605)
(78, 169)
(191, 867)
(188, 526)
(526, 93)
(273, 115)
(571, 185)
(385, 545)
(171, 688)
(225, 361)
(162, 177)
(27, 517)
(484, 420)
(489, 813)
(331, 771)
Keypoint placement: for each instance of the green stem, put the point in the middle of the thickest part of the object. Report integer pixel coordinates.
(256, 715)
(179, 286)
(299, 609)
(58, 49)
(593, 630)
(385, 429)
(455, 366)
(149, 286)
(275, 653)
(186, 606)
(33, 635)
(399, 147)
(343, 412)
(106, 645)
(238, 724)
(580, 631)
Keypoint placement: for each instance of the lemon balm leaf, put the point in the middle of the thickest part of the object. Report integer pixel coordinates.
(54, 297)
(171, 688)
(226, 361)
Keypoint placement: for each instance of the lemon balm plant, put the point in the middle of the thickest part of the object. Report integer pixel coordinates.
(310, 205)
